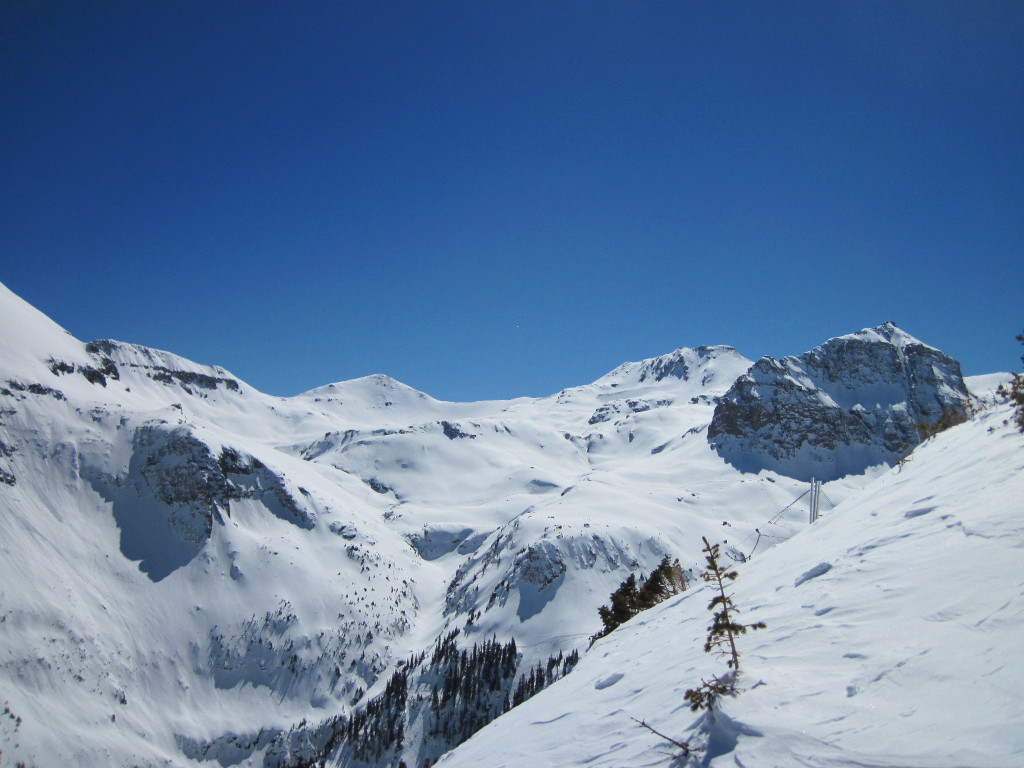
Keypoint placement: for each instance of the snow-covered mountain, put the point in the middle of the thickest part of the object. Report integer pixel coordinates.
(892, 640)
(195, 573)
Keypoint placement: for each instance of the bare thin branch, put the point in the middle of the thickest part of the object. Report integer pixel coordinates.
(683, 745)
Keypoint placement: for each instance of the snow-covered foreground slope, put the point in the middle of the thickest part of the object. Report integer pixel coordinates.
(893, 639)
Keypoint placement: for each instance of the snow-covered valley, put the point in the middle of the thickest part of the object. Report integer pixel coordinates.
(195, 573)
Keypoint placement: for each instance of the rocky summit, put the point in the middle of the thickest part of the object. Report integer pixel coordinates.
(859, 400)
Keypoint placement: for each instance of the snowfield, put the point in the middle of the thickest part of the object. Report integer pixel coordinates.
(893, 639)
(193, 573)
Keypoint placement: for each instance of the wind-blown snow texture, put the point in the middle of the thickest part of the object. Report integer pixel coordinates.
(193, 571)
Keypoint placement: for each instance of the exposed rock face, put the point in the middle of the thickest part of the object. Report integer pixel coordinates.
(175, 489)
(851, 403)
(706, 365)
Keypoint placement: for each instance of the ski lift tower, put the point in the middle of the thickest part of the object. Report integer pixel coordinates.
(815, 498)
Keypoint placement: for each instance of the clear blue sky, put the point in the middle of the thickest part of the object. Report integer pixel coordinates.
(494, 199)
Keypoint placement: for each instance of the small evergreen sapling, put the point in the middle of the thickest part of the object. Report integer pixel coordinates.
(721, 640)
(722, 633)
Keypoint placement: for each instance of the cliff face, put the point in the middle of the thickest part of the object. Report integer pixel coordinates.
(851, 403)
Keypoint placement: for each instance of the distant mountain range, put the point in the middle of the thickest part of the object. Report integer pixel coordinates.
(195, 573)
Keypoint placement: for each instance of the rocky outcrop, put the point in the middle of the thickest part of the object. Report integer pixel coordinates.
(175, 489)
(162, 367)
(853, 402)
(703, 368)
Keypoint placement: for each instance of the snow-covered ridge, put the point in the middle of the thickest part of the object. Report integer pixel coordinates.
(703, 364)
(162, 366)
(193, 571)
(984, 388)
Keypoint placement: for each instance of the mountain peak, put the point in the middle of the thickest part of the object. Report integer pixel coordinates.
(37, 338)
(853, 402)
(707, 365)
(375, 384)
(886, 333)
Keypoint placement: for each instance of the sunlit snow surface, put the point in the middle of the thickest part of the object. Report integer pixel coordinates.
(893, 639)
(188, 565)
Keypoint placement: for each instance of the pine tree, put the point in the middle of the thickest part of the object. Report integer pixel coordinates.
(665, 580)
(629, 599)
(1015, 392)
(623, 604)
(676, 577)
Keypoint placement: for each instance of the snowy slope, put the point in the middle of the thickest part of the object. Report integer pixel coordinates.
(193, 571)
(169, 573)
(893, 639)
